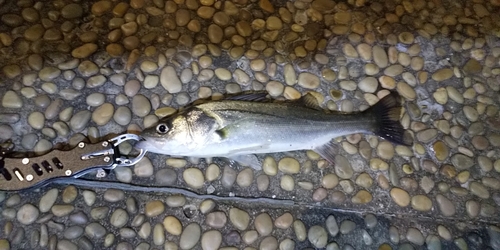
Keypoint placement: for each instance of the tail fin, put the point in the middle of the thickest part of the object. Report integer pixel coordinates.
(386, 113)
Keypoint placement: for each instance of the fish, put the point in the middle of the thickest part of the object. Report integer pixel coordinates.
(243, 126)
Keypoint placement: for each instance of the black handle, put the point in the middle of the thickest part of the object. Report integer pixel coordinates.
(23, 173)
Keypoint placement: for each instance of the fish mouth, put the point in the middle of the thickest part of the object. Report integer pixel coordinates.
(148, 144)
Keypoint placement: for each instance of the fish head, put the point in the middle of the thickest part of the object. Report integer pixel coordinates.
(170, 136)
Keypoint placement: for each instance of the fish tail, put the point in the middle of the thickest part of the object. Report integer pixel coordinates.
(387, 112)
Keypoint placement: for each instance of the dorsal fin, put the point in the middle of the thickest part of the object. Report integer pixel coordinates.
(310, 101)
(250, 96)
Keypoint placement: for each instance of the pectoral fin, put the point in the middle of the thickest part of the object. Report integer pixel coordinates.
(247, 160)
(327, 151)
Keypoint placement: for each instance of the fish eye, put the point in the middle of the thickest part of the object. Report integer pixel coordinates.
(162, 128)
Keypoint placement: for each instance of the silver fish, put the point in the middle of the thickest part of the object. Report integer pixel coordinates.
(242, 126)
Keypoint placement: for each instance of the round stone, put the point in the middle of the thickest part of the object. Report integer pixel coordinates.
(27, 214)
(11, 100)
(144, 168)
(308, 80)
(415, 236)
(172, 225)
(154, 208)
(400, 197)
(245, 177)
(122, 116)
(239, 218)
(119, 218)
(48, 200)
(445, 205)
(343, 167)
(36, 120)
(190, 236)
(289, 165)
(329, 181)
(442, 74)
(141, 106)
(103, 114)
(421, 203)
(287, 183)
(368, 84)
(211, 240)
(193, 177)
(317, 236)
(263, 224)
(80, 120)
(362, 197)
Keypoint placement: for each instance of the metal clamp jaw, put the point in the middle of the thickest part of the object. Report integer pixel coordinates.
(22, 173)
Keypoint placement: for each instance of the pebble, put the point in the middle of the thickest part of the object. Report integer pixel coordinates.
(287, 183)
(62, 210)
(103, 114)
(190, 236)
(245, 177)
(462, 162)
(239, 218)
(80, 120)
(27, 214)
(122, 116)
(69, 194)
(380, 56)
(368, 84)
(84, 51)
(289, 165)
(308, 80)
(144, 168)
(95, 230)
(119, 218)
(445, 205)
(216, 219)
(415, 236)
(479, 190)
(421, 203)
(263, 224)
(362, 197)
(194, 178)
(172, 225)
(442, 74)
(154, 208)
(343, 168)
(170, 81)
(141, 106)
(317, 236)
(211, 240)
(300, 230)
(400, 197)
(11, 100)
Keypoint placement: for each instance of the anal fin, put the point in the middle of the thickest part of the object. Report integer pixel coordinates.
(327, 151)
(247, 160)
